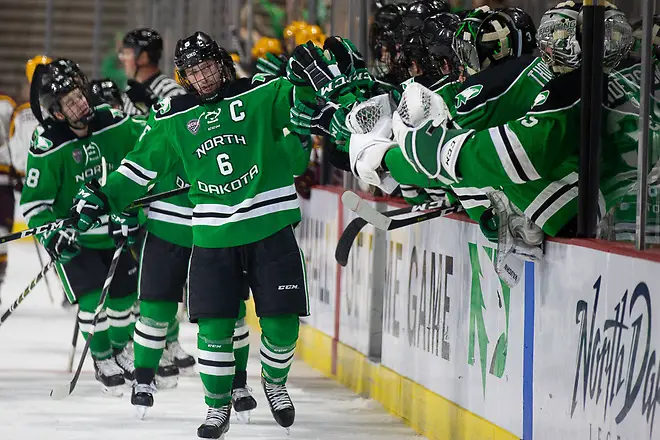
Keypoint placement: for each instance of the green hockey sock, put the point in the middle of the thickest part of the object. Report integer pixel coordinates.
(216, 363)
(100, 344)
(151, 331)
(173, 328)
(278, 343)
(119, 312)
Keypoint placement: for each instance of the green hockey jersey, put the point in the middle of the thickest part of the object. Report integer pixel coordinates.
(231, 151)
(59, 163)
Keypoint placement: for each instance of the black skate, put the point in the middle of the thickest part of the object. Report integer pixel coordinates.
(280, 403)
(110, 375)
(179, 357)
(142, 398)
(126, 361)
(216, 424)
(167, 374)
(243, 403)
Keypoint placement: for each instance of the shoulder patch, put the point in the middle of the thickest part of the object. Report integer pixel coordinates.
(39, 142)
(174, 104)
(259, 77)
(244, 85)
(44, 141)
(560, 93)
(468, 94)
(541, 98)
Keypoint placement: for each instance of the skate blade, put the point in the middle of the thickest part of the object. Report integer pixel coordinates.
(243, 416)
(141, 411)
(113, 391)
(166, 383)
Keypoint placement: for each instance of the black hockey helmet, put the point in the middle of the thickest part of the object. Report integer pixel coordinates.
(203, 67)
(64, 90)
(441, 6)
(145, 40)
(381, 33)
(105, 91)
(445, 20)
(525, 24)
(431, 49)
(413, 17)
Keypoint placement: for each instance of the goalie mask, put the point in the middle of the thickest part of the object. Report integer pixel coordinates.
(64, 93)
(466, 36)
(496, 40)
(203, 68)
(560, 36)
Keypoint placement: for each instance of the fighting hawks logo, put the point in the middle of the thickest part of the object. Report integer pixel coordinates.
(193, 126)
(77, 155)
(467, 94)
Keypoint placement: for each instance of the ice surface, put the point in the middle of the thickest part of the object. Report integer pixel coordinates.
(34, 349)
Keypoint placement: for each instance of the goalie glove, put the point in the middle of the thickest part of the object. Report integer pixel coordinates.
(307, 119)
(272, 65)
(367, 152)
(61, 244)
(124, 226)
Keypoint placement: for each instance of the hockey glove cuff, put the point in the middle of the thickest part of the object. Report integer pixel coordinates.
(310, 119)
(124, 226)
(89, 205)
(61, 245)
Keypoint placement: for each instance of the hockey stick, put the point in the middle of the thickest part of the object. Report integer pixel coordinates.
(428, 211)
(25, 293)
(61, 391)
(41, 263)
(74, 342)
(65, 223)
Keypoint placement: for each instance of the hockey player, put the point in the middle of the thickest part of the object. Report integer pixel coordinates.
(65, 152)
(141, 51)
(225, 134)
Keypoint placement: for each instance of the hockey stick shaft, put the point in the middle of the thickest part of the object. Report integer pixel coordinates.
(65, 223)
(41, 263)
(26, 292)
(61, 392)
(74, 343)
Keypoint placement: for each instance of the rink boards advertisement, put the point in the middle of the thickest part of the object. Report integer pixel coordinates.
(570, 352)
(450, 324)
(597, 339)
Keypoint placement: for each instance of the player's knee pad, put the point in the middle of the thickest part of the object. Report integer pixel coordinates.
(281, 331)
(159, 311)
(216, 329)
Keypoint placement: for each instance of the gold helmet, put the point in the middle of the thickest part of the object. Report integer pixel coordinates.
(32, 63)
(294, 28)
(315, 34)
(266, 45)
(236, 58)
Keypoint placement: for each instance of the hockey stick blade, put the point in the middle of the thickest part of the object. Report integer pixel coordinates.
(61, 391)
(360, 206)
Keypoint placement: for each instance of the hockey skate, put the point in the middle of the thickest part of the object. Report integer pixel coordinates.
(126, 361)
(216, 424)
(180, 358)
(167, 374)
(142, 398)
(280, 404)
(110, 375)
(243, 403)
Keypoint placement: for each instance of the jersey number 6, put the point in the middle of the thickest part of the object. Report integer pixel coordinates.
(224, 164)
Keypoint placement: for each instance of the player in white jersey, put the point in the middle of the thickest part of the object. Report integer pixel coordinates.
(141, 51)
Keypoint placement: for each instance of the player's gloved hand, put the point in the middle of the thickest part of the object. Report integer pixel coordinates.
(349, 58)
(61, 245)
(309, 67)
(124, 226)
(338, 131)
(272, 65)
(140, 95)
(89, 205)
(420, 147)
(308, 118)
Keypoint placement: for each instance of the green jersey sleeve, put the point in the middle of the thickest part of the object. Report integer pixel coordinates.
(152, 157)
(297, 154)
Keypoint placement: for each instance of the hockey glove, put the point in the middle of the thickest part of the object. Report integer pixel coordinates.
(307, 118)
(420, 148)
(272, 65)
(349, 59)
(338, 131)
(140, 95)
(61, 245)
(308, 67)
(124, 226)
(89, 205)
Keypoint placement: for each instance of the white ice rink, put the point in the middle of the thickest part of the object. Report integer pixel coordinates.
(34, 348)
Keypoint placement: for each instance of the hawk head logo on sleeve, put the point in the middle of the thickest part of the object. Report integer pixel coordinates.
(541, 99)
(39, 142)
(164, 105)
(467, 94)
